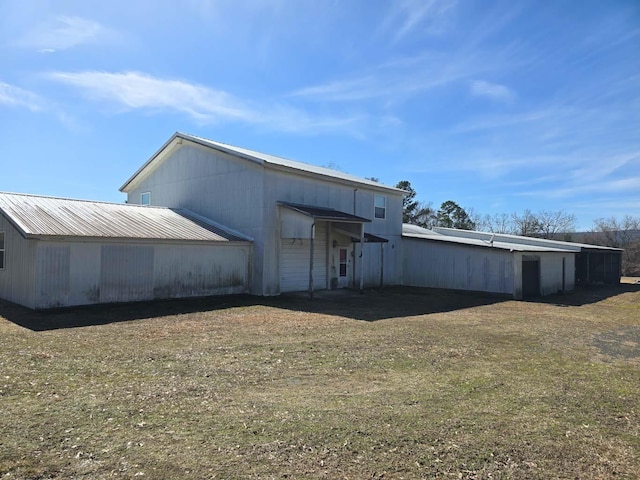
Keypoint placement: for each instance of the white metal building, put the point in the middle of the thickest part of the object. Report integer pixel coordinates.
(288, 226)
(60, 252)
(440, 258)
(594, 264)
(348, 228)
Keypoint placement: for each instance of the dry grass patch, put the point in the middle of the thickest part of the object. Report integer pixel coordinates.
(400, 384)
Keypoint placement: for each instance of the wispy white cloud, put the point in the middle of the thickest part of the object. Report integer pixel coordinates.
(405, 77)
(18, 97)
(607, 187)
(491, 122)
(64, 32)
(409, 16)
(139, 91)
(493, 91)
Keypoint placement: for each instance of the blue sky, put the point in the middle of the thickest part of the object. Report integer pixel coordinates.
(497, 105)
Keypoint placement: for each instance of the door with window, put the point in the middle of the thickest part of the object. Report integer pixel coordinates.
(343, 266)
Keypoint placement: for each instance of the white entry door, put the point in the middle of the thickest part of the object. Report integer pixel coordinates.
(343, 262)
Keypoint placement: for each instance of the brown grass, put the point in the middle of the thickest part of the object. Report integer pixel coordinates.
(395, 384)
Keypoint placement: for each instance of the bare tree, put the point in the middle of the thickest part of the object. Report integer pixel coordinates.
(475, 217)
(498, 223)
(624, 234)
(617, 233)
(526, 224)
(552, 224)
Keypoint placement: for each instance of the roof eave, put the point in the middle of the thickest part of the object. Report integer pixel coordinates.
(161, 151)
(15, 223)
(32, 236)
(372, 186)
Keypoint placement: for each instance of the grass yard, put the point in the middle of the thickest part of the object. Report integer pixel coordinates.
(399, 384)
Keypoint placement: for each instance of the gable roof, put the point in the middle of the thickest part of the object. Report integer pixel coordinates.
(266, 160)
(36, 216)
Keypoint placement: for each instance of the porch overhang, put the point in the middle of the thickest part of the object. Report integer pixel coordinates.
(355, 237)
(299, 221)
(323, 213)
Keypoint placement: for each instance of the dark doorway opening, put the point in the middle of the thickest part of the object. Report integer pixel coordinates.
(530, 278)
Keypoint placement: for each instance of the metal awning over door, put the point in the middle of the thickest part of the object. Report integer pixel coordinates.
(299, 222)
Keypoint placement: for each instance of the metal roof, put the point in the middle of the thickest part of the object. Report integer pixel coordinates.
(413, 231)
(519, 239)
(261, 158)
(40, 216)
(371, 238)
(322, 213)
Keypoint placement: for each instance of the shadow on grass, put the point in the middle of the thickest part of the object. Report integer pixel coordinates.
(370, 306)
(84, 316)
(587, 295)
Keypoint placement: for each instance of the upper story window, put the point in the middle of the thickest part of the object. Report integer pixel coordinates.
(1, 250)
(380, 206)
(145, 198)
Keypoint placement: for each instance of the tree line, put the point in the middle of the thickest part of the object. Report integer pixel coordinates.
(556, 225)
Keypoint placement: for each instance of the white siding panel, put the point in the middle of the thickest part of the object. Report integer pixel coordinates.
(17, 279)
(294, 224)
(53, 274)
(192, 271)
(294, 262)
(438, 265)
(551, 272)
(126, 273)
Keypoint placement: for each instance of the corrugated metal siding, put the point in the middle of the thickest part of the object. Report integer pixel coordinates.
(218, 186)
(286, 187)
(197, 271)
(283, 162)
(53, 275)
(551, 272)
(47, 216)
(294, 262)
(17, 279)
(441, 265)
(294, 224)
(80, 273)
(126, 273)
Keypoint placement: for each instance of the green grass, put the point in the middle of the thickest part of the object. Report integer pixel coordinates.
(401, 384)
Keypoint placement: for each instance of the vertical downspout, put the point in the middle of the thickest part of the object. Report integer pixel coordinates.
(381, 264)
(354, 200)
(362, 258)
(353, 275)
(327, 253)
(313, 228)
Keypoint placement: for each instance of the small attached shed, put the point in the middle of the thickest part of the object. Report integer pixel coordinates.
(59, 252)
(438, 260)
(594, 264)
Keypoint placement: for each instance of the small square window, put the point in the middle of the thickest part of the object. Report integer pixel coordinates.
(145, 198)
(380, 206)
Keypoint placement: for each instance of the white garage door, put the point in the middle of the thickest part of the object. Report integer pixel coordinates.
(294, 262)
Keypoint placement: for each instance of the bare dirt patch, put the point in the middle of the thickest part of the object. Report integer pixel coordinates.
(622, 343)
